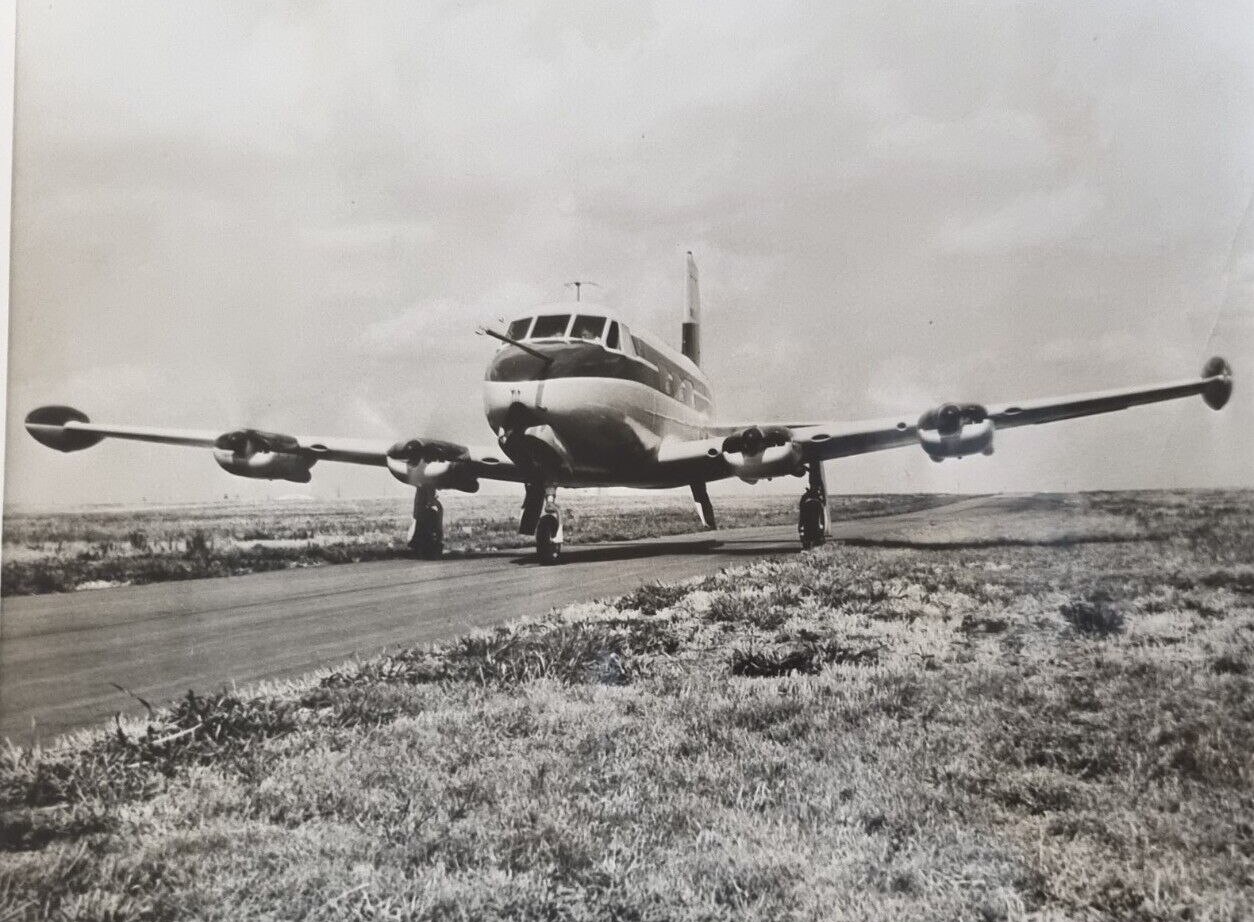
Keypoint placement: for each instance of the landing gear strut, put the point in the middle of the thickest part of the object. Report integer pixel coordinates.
(812, 519)
(542, 518)
(705, 508)
(426, 533)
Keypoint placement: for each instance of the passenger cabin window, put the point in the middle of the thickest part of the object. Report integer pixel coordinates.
(587, 327)
(550, 326)
(611, 338)
(518, 329)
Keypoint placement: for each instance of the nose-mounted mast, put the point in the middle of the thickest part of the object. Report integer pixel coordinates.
(578, 284)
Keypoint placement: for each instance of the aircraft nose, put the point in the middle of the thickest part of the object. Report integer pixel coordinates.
(514, 364)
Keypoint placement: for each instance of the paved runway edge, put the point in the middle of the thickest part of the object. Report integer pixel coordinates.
(63, 656)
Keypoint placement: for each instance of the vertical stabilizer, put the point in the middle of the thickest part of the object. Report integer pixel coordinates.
(692, 315)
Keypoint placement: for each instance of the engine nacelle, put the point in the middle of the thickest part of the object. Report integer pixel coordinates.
(432, 463)
(953, 431)
(266, 465)
(757, 452)
(755, 439)
(438, 475)
(776, 461)
(426, 450)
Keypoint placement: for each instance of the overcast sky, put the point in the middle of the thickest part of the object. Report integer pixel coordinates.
(294, 215)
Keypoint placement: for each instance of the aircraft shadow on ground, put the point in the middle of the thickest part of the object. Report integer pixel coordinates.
(977, 543)
(598, 554)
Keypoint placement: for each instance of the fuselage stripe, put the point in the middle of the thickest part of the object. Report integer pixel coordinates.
(587, 360)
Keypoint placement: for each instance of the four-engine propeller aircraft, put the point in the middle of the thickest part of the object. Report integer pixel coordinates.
(578, 399)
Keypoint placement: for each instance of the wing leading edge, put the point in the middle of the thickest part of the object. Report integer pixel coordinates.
(750, 452)
(945, 431)
(844, 439)
(276, 456)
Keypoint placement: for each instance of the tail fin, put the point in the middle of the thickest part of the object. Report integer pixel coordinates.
(692, 315)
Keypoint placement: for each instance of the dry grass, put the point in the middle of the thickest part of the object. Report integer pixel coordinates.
(93, 548)
(1049, 731)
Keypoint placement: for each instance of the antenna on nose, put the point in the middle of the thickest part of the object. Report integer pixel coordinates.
(579, 283)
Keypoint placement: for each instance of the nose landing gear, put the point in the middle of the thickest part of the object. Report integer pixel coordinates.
(426, 532)
(812, 519)
(541, 517)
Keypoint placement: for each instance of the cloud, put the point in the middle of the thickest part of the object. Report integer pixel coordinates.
(1035, 220)
(297, 214)
(421, 329)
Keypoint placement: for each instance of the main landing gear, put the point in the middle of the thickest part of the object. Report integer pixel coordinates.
(812, 520)
(542, 518)
(426, 532)
(705, 508)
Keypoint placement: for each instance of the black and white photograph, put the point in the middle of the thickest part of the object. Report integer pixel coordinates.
(628, 461)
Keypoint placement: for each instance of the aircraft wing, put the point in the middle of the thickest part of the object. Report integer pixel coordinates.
(945, 431)
(277, 456)
(1214, 385)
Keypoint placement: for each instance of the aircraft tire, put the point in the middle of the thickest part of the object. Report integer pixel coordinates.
(427, 545)
(811, 524)
(426, 531)
(433, 549)
(548, 550)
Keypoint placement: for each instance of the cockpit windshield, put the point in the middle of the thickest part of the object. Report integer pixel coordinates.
(550, 326)
(586, 327)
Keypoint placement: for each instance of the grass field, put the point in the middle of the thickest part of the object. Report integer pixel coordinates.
(92, 548)
(1053, 721)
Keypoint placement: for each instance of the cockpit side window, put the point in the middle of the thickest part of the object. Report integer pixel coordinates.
(550, 326)
(611, 338)
(587, 327)
(518, 329)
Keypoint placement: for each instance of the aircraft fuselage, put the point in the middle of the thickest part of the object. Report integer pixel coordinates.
(601, 405)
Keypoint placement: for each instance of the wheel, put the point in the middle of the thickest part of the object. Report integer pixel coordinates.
(426, 532)
(810, 523)
(548, 548)
(427, 543)
(431, 547)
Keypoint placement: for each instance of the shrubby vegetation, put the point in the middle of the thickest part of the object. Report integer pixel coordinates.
(64, 551)
(951, 730)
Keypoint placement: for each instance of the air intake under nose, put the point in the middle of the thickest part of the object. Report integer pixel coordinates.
(518, 418)
(537, 449)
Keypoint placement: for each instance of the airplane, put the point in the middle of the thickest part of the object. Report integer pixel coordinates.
(577, 398)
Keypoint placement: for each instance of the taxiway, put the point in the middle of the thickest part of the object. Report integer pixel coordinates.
(64, 657)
